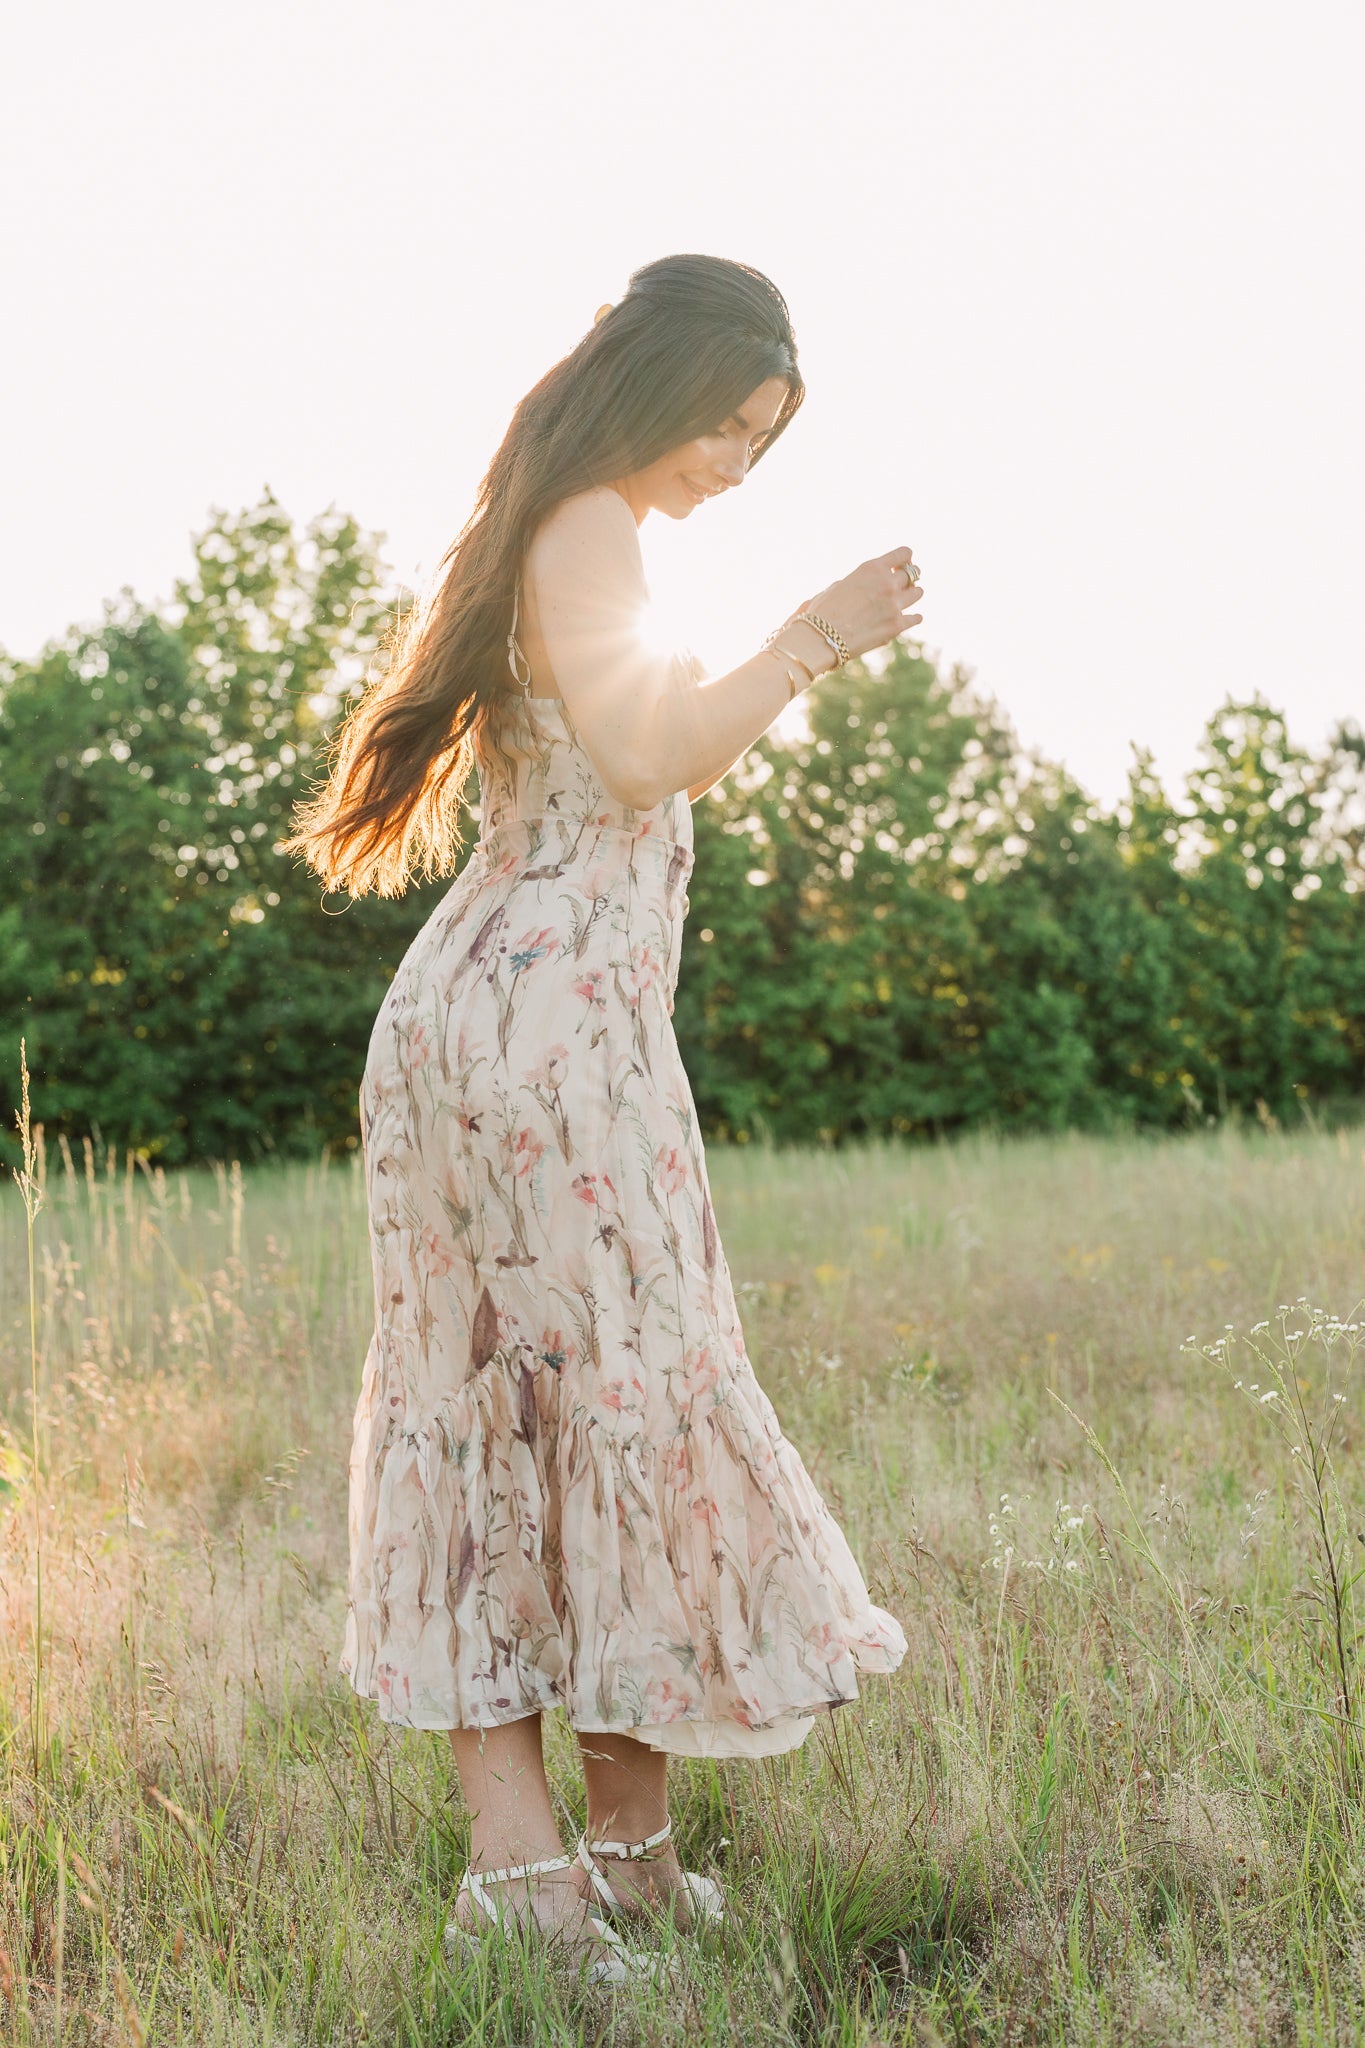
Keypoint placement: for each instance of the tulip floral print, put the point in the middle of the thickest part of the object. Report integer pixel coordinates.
(567, 1488)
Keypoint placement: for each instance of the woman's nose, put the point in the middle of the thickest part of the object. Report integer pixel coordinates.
(734, 471)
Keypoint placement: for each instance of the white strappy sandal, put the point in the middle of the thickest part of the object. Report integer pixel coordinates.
(708, 1900)
(623, 1965)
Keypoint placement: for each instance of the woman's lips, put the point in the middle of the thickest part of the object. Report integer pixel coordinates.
(697, 492)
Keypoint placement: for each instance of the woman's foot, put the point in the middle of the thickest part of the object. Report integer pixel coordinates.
(557, 1904)
(647, 1885)
(557, 1901)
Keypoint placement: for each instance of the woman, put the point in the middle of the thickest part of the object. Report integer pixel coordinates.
(567, 1488)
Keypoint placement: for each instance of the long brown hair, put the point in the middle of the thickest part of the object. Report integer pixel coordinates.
(693, 336)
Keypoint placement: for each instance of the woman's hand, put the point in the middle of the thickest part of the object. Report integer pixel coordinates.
(868, 608)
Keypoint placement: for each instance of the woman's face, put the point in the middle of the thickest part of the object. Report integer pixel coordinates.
(716, 461)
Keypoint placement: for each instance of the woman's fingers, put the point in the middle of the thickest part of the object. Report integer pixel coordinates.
(898, 560)
(905, 575)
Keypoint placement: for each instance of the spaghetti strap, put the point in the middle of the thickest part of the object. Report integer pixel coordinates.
(514, 653)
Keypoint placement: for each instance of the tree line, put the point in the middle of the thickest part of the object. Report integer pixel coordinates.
(903, 923)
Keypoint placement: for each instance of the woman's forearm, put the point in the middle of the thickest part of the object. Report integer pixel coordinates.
(696, 733)
(699, 732)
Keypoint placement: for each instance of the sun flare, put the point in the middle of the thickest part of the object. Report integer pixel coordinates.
(661, 630)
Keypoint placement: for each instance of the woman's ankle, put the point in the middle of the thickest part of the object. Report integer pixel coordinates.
(627, 1788)
(631, 1827)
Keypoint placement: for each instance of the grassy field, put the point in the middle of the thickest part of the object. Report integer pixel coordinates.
(1114, 1793)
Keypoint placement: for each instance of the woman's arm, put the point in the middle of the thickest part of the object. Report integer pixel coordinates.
(647, 734)
(699, 789)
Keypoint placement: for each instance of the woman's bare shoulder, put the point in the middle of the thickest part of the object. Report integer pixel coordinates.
(592, 532)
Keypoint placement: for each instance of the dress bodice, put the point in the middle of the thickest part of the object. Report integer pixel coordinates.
(538, 768)
(548, 822)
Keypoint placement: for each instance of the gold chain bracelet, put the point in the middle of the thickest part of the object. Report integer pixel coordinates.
(842, 651)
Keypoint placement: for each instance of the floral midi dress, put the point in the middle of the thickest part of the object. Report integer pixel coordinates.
(566, 1486)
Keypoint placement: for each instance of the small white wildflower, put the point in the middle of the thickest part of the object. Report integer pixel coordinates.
(1071, 1564)
(1268, 1397)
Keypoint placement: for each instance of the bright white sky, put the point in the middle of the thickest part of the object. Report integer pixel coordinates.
(1078, 288)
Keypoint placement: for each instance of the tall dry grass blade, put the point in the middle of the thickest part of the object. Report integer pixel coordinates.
(29, 1181)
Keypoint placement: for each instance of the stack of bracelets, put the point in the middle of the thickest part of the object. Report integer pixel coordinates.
(839, 648)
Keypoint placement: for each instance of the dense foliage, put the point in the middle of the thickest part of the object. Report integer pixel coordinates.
(903, 923)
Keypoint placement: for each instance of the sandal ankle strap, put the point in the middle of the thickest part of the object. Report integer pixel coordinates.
(629, 1851)
(472, 1878)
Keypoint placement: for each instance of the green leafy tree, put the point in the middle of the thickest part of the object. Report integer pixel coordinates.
(182, 986)
(870, 1001)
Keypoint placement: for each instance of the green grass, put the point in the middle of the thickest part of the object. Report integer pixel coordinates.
(1111, 1795)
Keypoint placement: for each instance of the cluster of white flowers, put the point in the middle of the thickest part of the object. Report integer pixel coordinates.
(1305, 1395)
(1062, 1535)
(1001, 1550)
(1217, 1353)
(1311, 1326)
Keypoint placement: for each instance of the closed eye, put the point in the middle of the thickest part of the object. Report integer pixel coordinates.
(756, 439)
